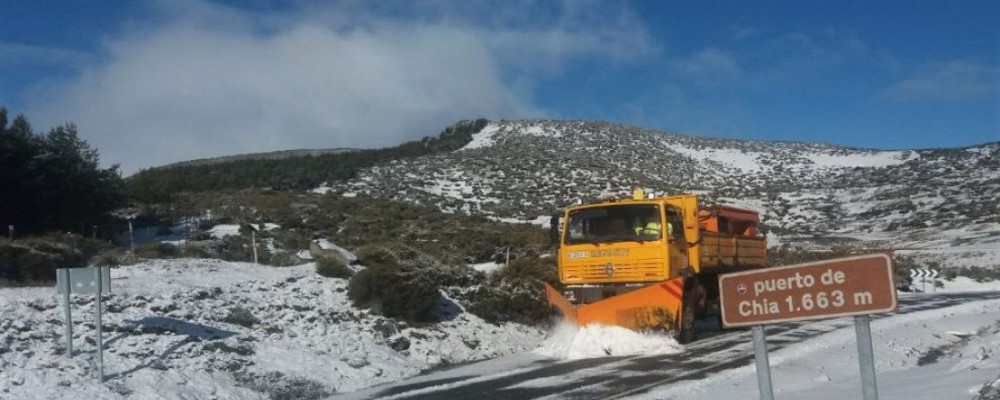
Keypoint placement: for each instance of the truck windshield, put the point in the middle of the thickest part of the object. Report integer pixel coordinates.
(614, 223)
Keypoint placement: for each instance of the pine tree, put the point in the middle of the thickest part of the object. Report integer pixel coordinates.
(54, 181)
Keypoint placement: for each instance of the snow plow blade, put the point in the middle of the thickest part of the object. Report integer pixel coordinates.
(650, 307)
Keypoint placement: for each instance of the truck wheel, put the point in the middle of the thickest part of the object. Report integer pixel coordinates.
(689, 305)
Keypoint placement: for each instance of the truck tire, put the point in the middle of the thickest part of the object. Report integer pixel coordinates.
(689, 305)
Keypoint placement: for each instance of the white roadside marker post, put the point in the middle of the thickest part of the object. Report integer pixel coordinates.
(763, 365)
(253, 240)
(131, 237)
(866, 357)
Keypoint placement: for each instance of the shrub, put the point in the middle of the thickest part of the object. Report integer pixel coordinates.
(292, 240)
(332, 267)
(515, 292)
(394, 292)
(198, 249)
(241, 316)
(399, 282)
(278, 386)
(284, 259)
(531, 269)
(157, 250)
(235, 248)
(112, 258)
(34, 260)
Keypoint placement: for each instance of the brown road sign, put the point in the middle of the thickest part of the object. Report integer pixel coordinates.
(833, 288)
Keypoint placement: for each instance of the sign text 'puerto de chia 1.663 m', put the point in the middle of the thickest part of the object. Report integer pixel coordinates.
(842, 287)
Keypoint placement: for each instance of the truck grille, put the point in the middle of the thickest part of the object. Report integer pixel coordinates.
(632, 271)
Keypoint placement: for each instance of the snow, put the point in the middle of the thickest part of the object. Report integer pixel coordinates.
(484, 138)
(488, 267)
(744, 160)
(540, 130)
(165, 336)
(327, 245)
(873, 159)
(223, 230)
(825, 367)
(322, 189)
(571, 342)
(959, 284)
(543, 221)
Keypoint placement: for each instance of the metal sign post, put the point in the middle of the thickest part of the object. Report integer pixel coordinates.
(69, 317)
(96, 280)
(100, 336)
(866, 357)
(763, 365)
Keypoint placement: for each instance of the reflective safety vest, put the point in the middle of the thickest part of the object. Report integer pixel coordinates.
(652, 228)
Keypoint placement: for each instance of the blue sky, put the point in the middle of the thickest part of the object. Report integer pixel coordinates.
(160, 81)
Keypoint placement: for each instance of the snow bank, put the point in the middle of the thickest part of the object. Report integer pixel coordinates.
(327, 245)
(168, 336)
(223, 230)
(946, 353)
(570, 342)
(483, 139)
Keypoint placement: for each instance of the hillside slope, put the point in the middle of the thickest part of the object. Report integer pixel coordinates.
(526, 169)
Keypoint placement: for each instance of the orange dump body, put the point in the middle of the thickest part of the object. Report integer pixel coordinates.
(730, 220)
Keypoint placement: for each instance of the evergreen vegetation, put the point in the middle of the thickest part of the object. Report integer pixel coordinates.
(398, 282)
(514, 293)
(53, 182)
(332, 267)
(353, 223)
(34, 260)
(305, 172)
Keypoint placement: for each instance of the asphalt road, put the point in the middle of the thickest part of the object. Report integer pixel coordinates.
(615, 377)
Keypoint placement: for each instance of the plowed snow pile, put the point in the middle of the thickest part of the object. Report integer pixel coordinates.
(571, 342)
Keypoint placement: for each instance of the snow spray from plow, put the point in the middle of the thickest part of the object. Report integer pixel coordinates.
(569, 341)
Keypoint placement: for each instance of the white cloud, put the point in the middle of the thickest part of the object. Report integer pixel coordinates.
(214, 80)
(949, 82)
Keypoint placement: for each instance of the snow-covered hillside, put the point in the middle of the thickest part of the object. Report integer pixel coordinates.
(171, 333)
(527, 169)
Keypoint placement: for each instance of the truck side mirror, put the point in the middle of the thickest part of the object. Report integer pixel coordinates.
(554, 231)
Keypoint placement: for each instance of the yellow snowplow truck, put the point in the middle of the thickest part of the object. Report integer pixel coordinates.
(650, 262)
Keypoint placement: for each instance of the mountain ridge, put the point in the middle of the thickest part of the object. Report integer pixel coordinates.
(266, 155)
